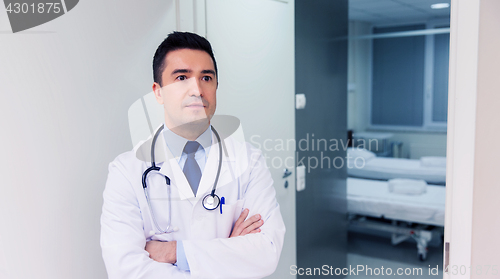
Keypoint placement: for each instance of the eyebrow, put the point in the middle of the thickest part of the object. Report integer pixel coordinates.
(184, 71)
(177, 71)
(208, 72)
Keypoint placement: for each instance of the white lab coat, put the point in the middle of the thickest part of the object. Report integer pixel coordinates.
(245, 182)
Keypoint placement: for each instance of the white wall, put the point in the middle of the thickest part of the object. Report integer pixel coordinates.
(472, 221)
(418, 144)
(415, 144)
(485, 218)
(66, 87)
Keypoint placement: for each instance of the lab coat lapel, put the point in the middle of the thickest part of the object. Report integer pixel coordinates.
(172, 169)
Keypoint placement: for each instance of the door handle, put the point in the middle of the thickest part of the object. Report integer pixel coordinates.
(286, 173)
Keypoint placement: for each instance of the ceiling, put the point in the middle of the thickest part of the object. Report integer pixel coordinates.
(395, 11)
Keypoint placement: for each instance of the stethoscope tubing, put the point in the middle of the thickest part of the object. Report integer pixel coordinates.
(218, 173)
(167, 181)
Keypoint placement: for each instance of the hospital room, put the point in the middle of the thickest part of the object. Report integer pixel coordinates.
(396, 118)
(249, 139)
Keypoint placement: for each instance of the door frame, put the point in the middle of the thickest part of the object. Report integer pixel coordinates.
(462, 96)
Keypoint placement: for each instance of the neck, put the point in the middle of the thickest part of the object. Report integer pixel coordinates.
(190, 131)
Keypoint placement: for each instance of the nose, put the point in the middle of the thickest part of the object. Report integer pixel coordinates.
(195, 89)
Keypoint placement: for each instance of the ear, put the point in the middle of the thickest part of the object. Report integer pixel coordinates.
(157, 92)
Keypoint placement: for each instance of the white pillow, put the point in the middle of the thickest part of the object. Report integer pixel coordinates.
(431, 161)
(407, 186)
(354, 152)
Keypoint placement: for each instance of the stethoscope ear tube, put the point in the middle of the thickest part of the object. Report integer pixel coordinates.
(145, 176)
(153, 164)
(212, 201)
(146, 192)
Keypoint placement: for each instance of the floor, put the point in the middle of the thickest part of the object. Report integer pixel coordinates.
(371, 251)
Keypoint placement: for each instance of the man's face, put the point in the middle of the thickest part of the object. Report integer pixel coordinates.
(189, 88)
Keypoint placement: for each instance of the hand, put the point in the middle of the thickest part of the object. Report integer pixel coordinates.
(161, 251)
(251, 225)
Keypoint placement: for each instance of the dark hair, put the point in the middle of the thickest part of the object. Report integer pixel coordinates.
(175, 41)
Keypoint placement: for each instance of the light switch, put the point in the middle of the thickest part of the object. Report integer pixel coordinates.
(301, 178)
(300, 101)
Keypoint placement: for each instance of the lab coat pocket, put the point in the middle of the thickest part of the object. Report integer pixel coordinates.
(230, 213)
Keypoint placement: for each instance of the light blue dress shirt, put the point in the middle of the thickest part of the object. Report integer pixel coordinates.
(176, 145)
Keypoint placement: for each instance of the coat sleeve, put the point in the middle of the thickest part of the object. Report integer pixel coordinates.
(122, 237)
(250, 256)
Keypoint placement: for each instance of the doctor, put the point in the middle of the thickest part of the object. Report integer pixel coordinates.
(241, 238)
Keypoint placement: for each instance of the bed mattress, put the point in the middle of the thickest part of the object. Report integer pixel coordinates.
(388, 168)
(372, 198)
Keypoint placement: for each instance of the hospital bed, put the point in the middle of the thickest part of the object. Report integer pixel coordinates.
(370, 205)
(365, 164)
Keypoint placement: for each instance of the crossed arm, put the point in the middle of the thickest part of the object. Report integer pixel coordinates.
(166, 252)
(127, 254)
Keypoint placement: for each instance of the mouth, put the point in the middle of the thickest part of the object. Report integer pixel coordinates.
(196, 105)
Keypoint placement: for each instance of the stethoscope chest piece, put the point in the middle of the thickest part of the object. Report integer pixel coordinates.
(211, 202)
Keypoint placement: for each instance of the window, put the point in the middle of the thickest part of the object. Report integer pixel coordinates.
(440, 78)
(410, 77)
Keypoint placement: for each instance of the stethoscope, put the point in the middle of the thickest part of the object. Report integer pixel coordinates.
(210, 201)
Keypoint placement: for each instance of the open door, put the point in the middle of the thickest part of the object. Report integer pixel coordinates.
(321, 75)
(471, 245)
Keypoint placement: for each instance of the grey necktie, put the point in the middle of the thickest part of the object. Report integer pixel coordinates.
(191, 168)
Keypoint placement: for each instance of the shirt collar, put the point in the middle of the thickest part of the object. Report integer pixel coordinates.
(176, 143)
